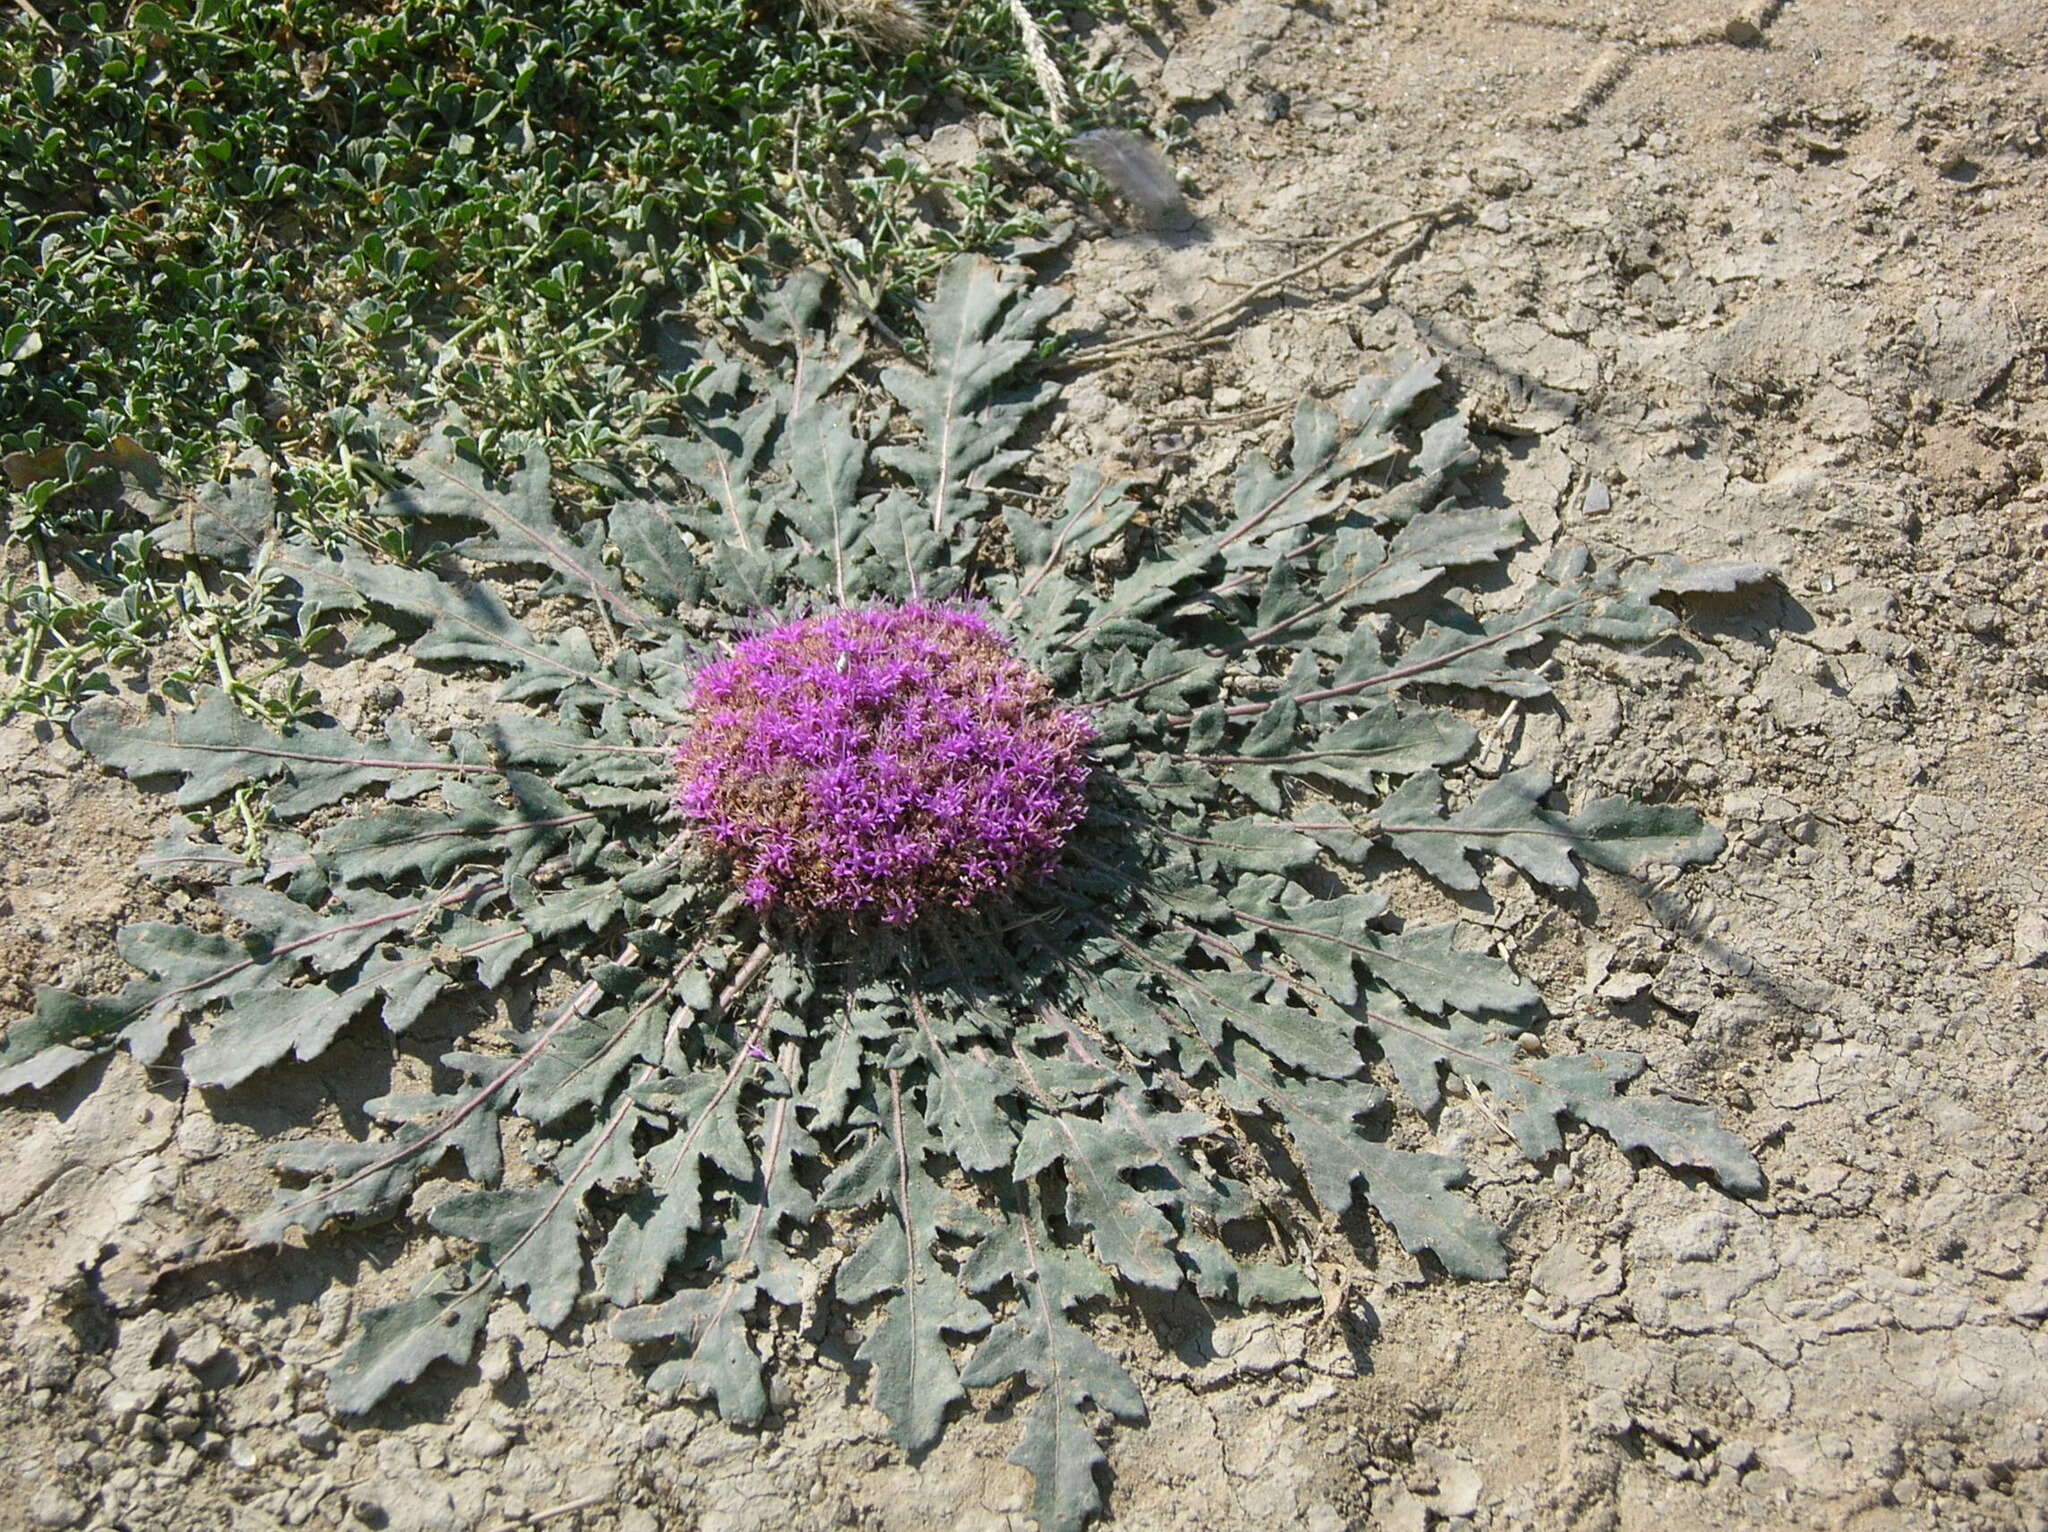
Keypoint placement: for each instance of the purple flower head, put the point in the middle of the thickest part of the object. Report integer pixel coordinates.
(881, 761)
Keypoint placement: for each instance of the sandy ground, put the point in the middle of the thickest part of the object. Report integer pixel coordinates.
(1760, 282)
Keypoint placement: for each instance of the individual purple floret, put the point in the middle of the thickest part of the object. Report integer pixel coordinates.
(881, 761)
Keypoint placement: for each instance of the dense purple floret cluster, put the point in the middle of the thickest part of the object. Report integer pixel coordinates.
(882, 761)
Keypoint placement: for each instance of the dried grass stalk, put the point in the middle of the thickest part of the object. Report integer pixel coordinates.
(1050, 85)
(897, 25)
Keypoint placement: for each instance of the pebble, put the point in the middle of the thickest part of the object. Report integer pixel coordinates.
(316, 1431)
(1500, 179)
(52, 1507)
(482, 1442)
(127, 1405)
(2030, 939)
(498, 1361)
(201, 1348)
(199, 1137)
(27, 807)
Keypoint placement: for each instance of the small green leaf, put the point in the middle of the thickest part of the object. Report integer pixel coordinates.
(1256, 845)
(914, 1379)
(528, 1238)
(1507, 820)
(704, 1134)
(263, 1027)
(1427, 969)
(1676, 1133)
(1414, 1192)
(214, 747)
(395, 1344)
(978, 326)
(657, 554)
(517, 511)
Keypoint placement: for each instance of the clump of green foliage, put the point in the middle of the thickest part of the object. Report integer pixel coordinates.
(226, 224)
(1006, 1117)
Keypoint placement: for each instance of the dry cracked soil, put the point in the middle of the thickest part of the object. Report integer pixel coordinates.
(1753, 281)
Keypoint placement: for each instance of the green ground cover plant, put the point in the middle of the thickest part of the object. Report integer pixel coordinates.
(230, 226)
(866, 910)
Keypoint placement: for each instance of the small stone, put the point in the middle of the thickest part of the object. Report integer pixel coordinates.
(28, 807)
(498, 1361)
(134, 1360)
(482, 1442)
(315, 1431)
(1458, 1487)
(127, 1405)
(1500, 179)
(1324, 1516)
(201, 1349)
(1983, 619)
(333, 1308)
(51, 1365)
(52, 1507)
(1394, 1509)
(2028, 1302)
(1621, 988)
(2030, 939)
(199, 1137)
(1310, 1399)
(1607, 1414)
(1255, 1346)
(953, 146)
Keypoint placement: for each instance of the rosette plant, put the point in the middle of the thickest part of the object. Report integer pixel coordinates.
(969, 901)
